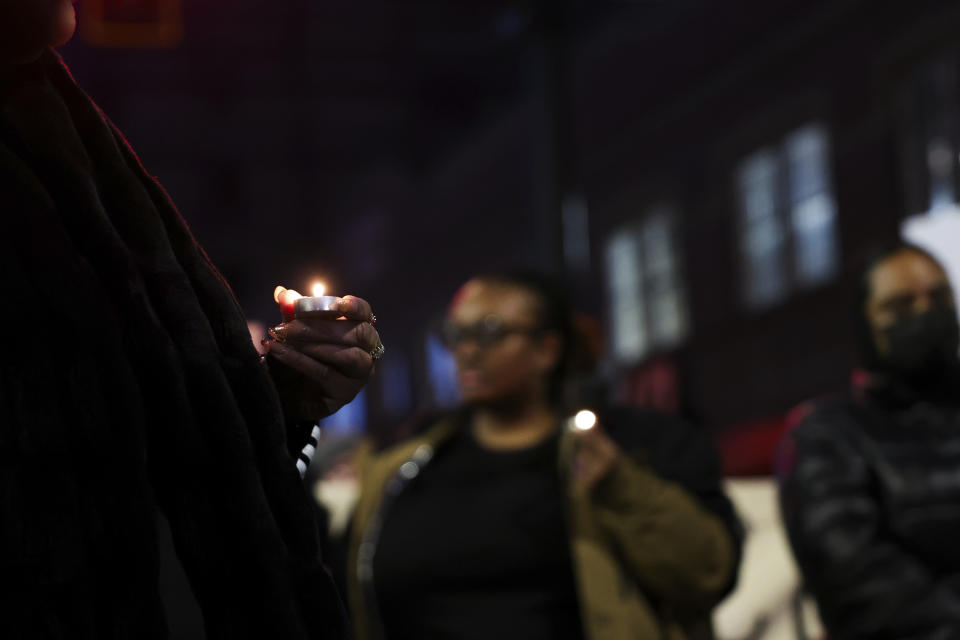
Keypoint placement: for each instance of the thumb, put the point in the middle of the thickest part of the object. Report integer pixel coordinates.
(285, 298)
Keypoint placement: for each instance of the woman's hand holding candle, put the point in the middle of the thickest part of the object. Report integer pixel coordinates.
(596, 453)
(331, 352)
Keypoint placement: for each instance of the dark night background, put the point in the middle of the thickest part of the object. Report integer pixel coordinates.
(396, 148)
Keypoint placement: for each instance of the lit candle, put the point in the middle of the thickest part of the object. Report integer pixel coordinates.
(583, 421)
(317, 305)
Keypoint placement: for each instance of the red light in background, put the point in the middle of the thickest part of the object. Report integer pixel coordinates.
(131, 23)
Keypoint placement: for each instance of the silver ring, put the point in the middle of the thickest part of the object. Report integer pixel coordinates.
(377, 353)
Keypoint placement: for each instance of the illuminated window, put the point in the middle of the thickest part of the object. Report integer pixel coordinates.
(787, 217)
(813, 212)
(628, 325)
(762, 234)
(647, 301)
(929, 136)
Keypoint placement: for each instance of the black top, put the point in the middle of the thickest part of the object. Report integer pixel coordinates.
(476, 546)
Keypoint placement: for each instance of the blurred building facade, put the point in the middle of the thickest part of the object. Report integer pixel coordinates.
(704, 174)
(732, 190)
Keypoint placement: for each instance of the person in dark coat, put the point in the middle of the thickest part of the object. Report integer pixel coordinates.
(499, 519)
(129, 387)
(870, 482)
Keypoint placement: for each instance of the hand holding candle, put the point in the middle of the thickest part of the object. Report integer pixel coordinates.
(317, 306)
(596, 454)
(330, 343)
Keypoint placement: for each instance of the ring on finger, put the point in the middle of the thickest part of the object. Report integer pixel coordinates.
(377, 352)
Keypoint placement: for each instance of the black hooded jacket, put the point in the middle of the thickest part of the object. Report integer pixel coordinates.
(129, 385)
(870, 494)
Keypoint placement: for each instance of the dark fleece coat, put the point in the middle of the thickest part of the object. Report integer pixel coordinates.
(130, 386)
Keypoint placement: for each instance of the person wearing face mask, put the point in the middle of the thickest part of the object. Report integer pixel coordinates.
(870, 482)
(498, 521)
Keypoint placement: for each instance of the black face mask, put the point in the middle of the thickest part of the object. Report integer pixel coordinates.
(924, 344)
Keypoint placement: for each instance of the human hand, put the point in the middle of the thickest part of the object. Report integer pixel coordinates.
(594, 458)
(324, 363)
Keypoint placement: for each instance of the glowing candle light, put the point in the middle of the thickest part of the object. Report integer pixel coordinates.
(317, 305)
(584, 420)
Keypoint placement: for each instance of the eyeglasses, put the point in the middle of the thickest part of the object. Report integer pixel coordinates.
(487, 333)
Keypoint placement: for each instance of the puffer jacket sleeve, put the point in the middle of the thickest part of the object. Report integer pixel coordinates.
(865, 585)
(678, 552)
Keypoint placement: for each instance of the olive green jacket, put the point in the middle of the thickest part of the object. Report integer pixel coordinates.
(648, 561)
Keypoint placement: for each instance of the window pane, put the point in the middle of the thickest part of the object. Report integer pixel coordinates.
(657, 245)
(812, 208)
(626, 302)
(940, 167)
(815, 238)
(664, 295)
(807, 160)
(762, 237)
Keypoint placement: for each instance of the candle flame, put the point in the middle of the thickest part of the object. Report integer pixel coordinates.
(585, 420)
(277, 292)
(318, 289)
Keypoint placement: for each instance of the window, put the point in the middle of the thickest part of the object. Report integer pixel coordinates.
(626, 309)
(812, 210)
(930, 136)
(762, 234)
(787, 217)
(647, 302)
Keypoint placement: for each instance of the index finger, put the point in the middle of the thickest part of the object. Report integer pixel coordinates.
(354, 308)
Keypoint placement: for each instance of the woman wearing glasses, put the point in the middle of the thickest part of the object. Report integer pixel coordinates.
(496, 522)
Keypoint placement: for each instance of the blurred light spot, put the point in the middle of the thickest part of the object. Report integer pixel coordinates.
(409, 470)
(585, 420)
